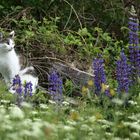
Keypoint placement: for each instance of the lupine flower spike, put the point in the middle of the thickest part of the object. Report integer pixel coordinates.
(28, 89)
(55, 86)
(16, 85)
(99, 72)
(123, 74)
(134, 48)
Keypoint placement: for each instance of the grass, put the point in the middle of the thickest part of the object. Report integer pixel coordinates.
(90, 120)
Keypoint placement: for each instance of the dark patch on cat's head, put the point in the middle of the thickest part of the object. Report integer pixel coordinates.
(5, 39)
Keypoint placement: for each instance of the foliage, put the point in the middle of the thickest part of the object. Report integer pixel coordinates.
(71, 31)
(109, 15)
(94, 119)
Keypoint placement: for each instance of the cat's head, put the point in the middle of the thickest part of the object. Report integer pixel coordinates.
(7, 44)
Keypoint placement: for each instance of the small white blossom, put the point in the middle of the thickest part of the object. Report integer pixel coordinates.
(135, 135)
(65, 103)
(52, 102)
(43, 106)
(26, 105)
(92, 119)
(71, 123)
(16, 112)
(117, 101)
(132, 102)
(68, 128)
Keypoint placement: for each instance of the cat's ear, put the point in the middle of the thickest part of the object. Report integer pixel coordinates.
(12, 34)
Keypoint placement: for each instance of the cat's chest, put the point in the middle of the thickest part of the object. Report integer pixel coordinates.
(4, 60)
(4, 64)
(7, 61)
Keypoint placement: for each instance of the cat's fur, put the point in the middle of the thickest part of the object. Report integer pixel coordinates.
(10, 64)
(9, 61)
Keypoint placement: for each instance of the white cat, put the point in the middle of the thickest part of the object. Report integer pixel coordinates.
(10, 64)
(9, 61)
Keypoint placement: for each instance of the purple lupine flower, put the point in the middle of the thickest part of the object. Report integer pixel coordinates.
(16, 85)
(134, 48)
(123, 73)
(28, 89)
(55, 86)
(99, 72)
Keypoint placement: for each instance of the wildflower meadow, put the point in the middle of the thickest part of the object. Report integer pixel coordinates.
(105, 105)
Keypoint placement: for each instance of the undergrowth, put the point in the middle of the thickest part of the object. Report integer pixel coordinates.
(86, 117)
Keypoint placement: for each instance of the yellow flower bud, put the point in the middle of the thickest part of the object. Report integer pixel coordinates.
(112, 92)
(84, 89)
(104, 87)
(74, 115)
(90, 83)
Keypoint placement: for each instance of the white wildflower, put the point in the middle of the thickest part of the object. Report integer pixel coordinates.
(34, 112)
(108, 134)
(134, 125)
(26, 105)
(92, 119)
(105, 126)
(133, 117)
(25, 133)
(43, 106)
(105, 122)
(37, 119)
(85, 127)
(36, 129)
(5, 101)
(132, 102)
(2, 111)
(117, 101)
(65, 103)
(68, 128)
(135, 135)
(118, 113)
(69, 136)
(7, 126)
(12, 136)
(91, 134)
(52, 102)
(73, 123)
(26, 122)
(16, 112)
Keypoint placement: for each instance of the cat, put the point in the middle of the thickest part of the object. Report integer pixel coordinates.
(9, 61)
(10, 64)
